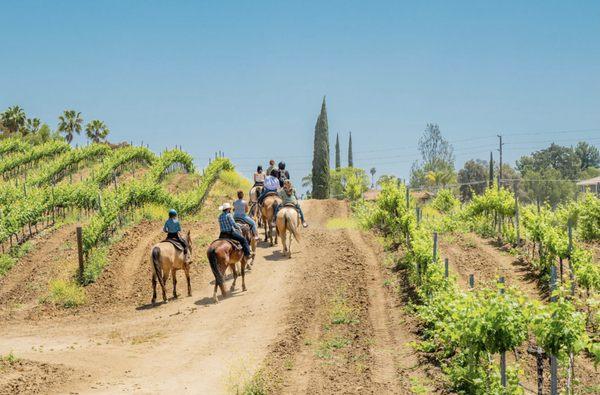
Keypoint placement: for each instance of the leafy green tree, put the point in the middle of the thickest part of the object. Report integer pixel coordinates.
(350, 156)
(588, 155)
(338, 161)
(473, 177)
(546, 186)
(386, 178)
(13, 119)
(320, 165)
(70, 123)
(563, 159)
(307, 181)
(437, 158)
(96, 130)
(348, 183)
(373, 171)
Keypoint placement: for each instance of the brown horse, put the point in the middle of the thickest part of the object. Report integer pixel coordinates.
(268, 216)
(222, 255)
(288, 220)
(166, 259)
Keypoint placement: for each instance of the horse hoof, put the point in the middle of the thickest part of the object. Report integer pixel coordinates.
(216, 301)
(153, 302)
(244, 289)
(175, 296)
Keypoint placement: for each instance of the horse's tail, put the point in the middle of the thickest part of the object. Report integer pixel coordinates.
(214, 265)
(290, 224)
(157, 267)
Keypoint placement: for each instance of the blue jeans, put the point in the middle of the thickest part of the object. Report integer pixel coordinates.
(239, 238)
(297, 208)
(246, 218)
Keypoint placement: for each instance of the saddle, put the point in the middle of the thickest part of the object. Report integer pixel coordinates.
(242, 222)
(235, 244)
(176, 243)
(271, 193)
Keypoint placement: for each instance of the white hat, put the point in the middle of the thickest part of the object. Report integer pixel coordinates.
(225, 206)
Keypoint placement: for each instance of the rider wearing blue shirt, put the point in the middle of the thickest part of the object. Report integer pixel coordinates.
(172, 228)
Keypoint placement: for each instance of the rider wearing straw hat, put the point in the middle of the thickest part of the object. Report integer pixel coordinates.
(231, 230)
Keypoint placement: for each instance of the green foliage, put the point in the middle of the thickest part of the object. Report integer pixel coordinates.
(589, 217)
(559, 328)
(115, 163)
(338, 161)
(66, 293)
(445, 202)
(53, 171)
(350, 153)
(320, 165)
(473, 176)
(94, 265)
(437, 165)
(348, 183)
(34, 154)
(11, 145)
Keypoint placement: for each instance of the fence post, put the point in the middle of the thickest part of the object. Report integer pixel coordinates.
(80, 251)
(471, 281)
(517, 230)
(503, 354)
(553, 360)
(446, 267)
(407, 197)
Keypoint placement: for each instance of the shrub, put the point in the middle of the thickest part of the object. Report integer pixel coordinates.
(66, 293)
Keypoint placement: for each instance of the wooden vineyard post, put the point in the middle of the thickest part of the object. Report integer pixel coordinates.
(446, 267)
(553, 360)
(407, 198)
(471, 281)
(571, 368)
(80, 251)
(503, 354)
(517, 230)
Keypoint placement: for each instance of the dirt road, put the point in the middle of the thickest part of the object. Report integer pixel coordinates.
(321, 322)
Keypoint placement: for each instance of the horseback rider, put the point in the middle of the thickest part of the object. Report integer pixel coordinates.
(231, 230)
(289, 198)
(281, 173)
(271, 186)
(271, 167)
(259, 177)
(172, 228)
(240, 211)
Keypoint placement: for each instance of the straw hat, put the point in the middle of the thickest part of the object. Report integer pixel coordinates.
(225, 206)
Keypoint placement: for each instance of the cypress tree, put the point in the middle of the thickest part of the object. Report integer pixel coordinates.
(320, 165)
(350, 159)
(491, 169)
(338, 161)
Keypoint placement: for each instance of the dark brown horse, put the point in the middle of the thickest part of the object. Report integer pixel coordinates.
(221, 255)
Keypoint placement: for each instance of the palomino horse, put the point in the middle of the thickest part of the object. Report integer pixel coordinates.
(288, 221)
(268, 216)
(167, 259)
(254, 194)
(222, 254)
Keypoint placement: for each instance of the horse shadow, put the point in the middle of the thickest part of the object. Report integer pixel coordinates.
(209, 301)
(276, 256)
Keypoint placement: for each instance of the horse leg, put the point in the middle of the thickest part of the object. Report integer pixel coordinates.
(165, 278)
(290, 245)
(223, 269)
(215, 293)
(244, 274)
(187, 277)
(235, 276)
(174, 274)
(154, 288)
(265, 227)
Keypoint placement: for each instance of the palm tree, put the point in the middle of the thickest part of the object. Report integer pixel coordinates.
(69, 123)
(13, 119)
(307, 181)
(96, 130)
(33, 125)
(437, 178)
(373, 171)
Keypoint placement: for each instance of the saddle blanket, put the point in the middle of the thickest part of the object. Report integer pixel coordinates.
(235, 244)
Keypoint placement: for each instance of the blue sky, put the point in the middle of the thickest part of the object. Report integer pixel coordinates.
(248, 77)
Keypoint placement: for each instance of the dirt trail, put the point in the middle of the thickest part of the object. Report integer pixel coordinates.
(283, 323)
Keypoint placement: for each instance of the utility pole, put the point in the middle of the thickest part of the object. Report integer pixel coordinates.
(500, 162)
